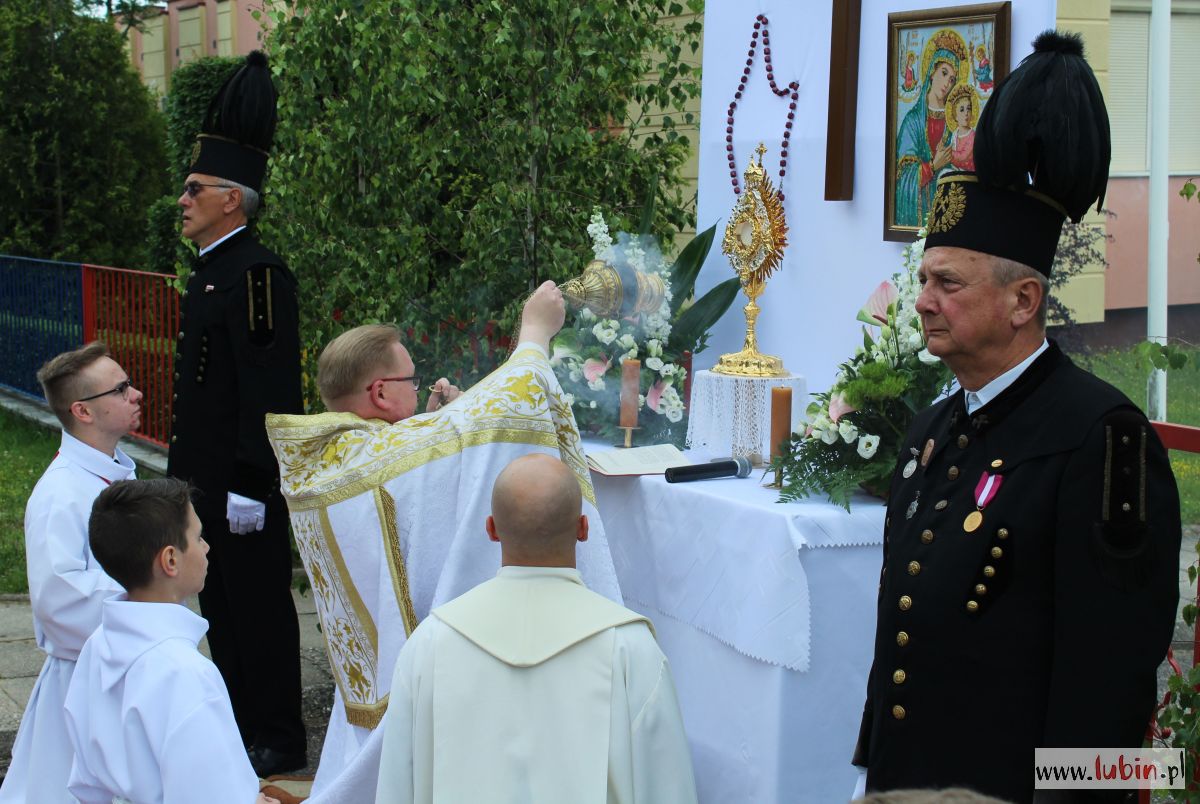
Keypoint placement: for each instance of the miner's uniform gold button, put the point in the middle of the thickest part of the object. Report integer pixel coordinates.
(997, 552)
(173, 439)
(963, 441)
(898, 712)
(1002, 533)
(989, 571)
(914, 568)
(899, 676)
(952, 473)
(940, 505)
(902, 638)
(980, 589)
(927, 536)
(996, 464)
(972, 605)
(905, 603)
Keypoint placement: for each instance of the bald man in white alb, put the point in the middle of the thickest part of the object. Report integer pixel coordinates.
(536, 688)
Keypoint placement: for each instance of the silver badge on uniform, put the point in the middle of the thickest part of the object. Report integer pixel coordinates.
(912, 507)
(911, 466)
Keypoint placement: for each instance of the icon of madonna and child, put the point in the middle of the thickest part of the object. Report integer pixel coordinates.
(937, 103)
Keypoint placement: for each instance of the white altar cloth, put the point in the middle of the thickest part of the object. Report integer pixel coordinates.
(766, 612)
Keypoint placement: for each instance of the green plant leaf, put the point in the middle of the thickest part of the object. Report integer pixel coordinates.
(700, 317)
(1188, 190)
(687, 267)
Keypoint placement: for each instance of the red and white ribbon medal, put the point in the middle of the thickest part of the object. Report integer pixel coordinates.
(985, 492)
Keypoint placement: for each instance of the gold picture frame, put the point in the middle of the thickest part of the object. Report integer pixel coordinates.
(943, 57)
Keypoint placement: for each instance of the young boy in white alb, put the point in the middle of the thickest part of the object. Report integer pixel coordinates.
(148, 716)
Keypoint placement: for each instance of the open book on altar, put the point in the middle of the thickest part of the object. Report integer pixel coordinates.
(652, 460)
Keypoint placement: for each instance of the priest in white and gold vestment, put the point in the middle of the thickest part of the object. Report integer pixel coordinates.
(388, 516)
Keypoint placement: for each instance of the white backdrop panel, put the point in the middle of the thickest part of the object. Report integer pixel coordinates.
(837, 254)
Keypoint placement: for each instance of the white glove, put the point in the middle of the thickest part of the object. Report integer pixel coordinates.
(244, 514)
(860, 785)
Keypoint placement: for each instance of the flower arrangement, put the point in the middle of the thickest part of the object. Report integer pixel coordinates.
(588, 354)
(856, 429)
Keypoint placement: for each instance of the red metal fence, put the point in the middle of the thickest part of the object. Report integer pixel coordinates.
(137, 315)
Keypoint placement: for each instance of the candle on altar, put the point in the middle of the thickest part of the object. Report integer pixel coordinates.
(781, 418)
(631, 376)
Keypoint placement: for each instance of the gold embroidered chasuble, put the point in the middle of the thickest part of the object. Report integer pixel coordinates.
(388, 518)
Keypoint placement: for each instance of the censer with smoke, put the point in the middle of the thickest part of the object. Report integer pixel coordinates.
(614, 292)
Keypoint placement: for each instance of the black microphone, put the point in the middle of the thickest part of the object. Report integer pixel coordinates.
(727, 467)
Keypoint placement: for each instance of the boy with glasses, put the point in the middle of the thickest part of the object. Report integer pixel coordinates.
(97, 404)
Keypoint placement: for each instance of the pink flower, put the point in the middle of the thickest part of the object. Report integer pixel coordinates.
(875, 311)
(593, 369)
(839, 407)
(654, 395)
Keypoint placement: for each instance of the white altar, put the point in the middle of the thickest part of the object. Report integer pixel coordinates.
(767, 615)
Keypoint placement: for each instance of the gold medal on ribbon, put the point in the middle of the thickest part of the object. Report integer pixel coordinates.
(985, 491)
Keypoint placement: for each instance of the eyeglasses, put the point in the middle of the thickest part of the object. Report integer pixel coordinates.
(122, 389)
(415, 380)
(192, 188)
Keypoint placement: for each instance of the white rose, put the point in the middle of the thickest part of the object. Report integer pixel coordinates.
(847, 431)
(654, 347)
(829, 436)
(867, 445)
(926, 357)
(668, 369)
(592, 404)
(575, 374)
(568, 398)
(632, 353)
(604, 334)
(596, 385)
(654, 363)
(586, 315)
(626, 342)
(915, 341)
(674, 414)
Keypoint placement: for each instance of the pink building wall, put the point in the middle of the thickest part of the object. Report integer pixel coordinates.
(1125, 280)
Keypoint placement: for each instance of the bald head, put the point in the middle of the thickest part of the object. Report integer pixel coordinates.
(537, 513)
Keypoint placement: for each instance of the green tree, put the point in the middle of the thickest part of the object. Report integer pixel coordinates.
(435, 159)
(81, 154)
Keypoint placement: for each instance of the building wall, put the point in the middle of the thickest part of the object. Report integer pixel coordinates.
(1085, 293)
(1125, 283)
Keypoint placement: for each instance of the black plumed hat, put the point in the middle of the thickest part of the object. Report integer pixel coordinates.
(239, 126)
(1042, 149)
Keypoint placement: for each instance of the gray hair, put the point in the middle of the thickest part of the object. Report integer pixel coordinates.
(250, 198)
(1006, 271)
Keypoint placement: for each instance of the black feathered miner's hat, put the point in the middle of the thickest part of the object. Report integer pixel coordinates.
(1041, 155)
(239, 127)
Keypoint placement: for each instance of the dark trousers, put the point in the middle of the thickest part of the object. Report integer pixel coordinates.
(253, 632)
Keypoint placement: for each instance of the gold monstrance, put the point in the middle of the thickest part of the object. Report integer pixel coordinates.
(754, 242)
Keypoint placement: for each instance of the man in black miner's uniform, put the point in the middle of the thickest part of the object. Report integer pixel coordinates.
(1031, 549)
(238, 358)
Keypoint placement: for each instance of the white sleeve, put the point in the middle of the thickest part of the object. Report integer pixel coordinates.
(397, 784)
(66, 584)
(662, 761)
(207, 738)
(84, 787)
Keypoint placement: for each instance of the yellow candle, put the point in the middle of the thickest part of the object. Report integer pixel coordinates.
(631, 373)
(781, 418)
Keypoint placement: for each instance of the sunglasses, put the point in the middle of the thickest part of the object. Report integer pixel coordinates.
(122, 389)
(192, 188)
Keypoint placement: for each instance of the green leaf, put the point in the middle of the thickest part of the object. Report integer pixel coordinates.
(687, 267)
(1188, 191)
(1191, 571)
(701, 316)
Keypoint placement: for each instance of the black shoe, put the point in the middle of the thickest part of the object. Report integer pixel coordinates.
(268, 762)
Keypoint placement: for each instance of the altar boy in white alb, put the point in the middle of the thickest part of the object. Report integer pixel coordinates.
(148, 716)
(97, 404)
(530, 687)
